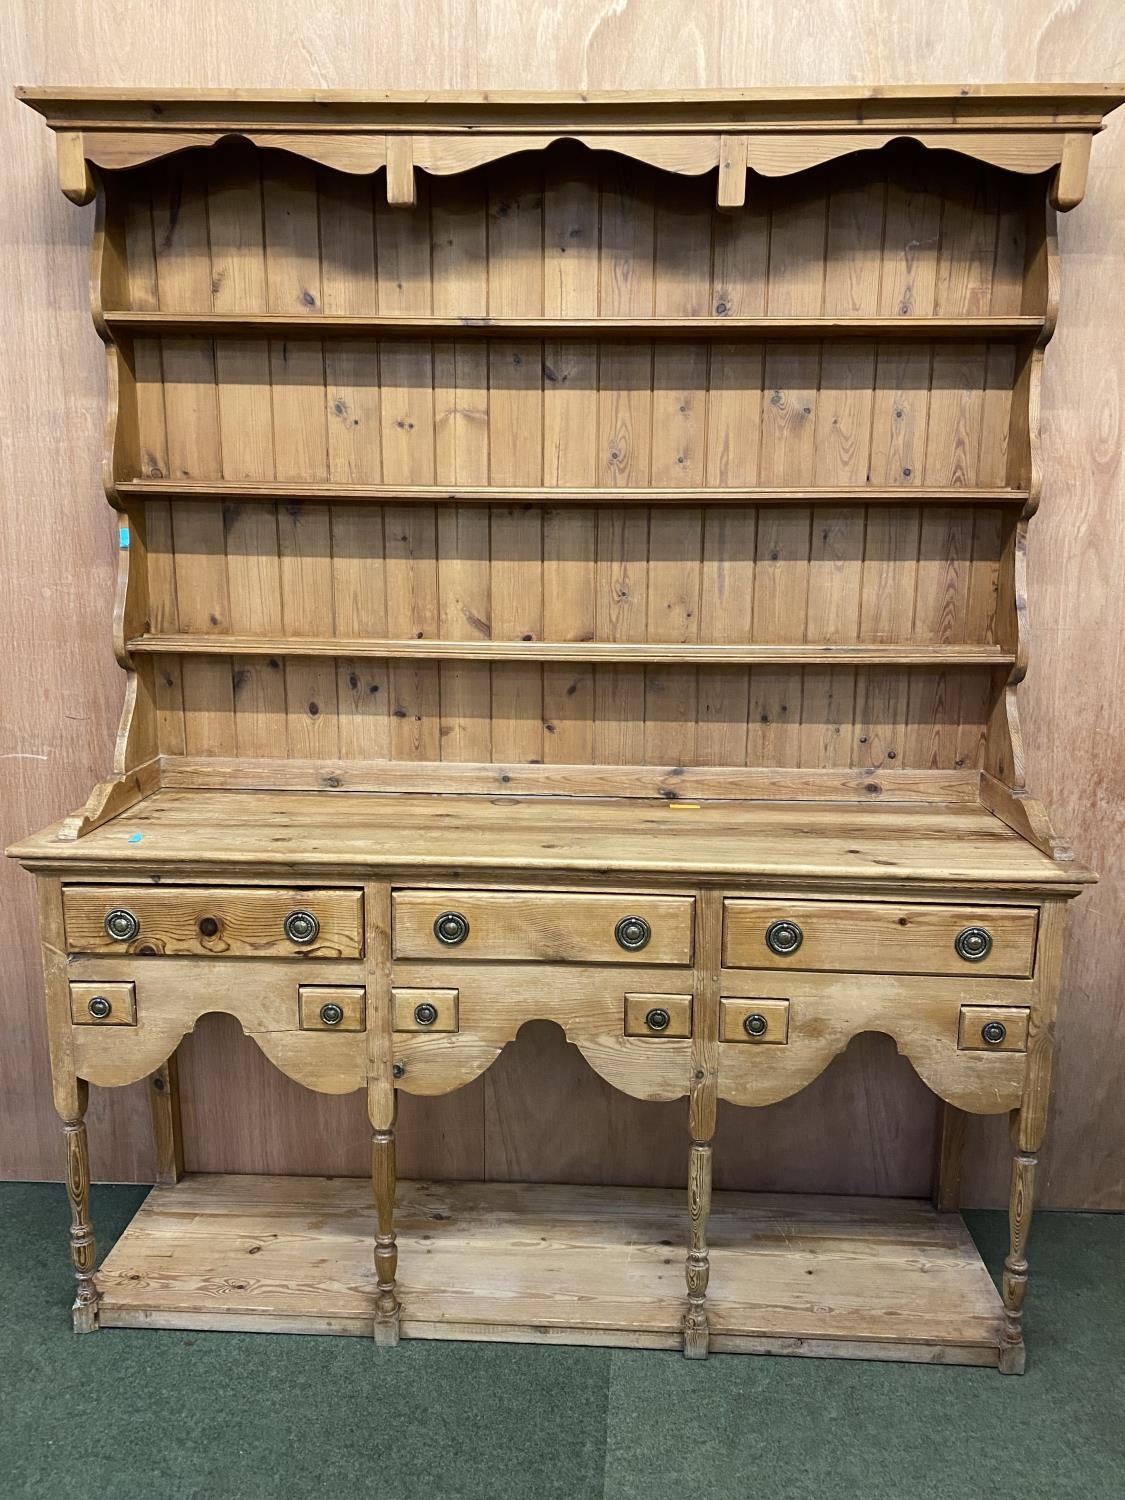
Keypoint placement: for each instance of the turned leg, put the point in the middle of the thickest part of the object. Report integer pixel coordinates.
(696, 1330)
(1028, 1127)
(386, 1250)
(949, 1154)
(83, 1250)
(1013, 1285)
(703, 1098)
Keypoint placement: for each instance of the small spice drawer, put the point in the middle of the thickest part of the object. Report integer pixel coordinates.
(552, 927)
(658, 1015)
(332, 1007)
(993, 1028)
(421, 1010)
(105, 1004)
(760, 1020)
(213, 921)
(879, 938)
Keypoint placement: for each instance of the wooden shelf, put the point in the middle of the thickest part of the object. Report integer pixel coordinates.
(640, 653)
(868, 1278)
(324, 325)
(267, 490)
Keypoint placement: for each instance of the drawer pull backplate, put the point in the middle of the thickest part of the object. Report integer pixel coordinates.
(632, 933)
(973, 944)
(302, 927)
(121, 925)
(784, 938)
(451, 928)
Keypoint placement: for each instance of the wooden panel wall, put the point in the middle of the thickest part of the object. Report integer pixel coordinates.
(61, 687)
(904, 233)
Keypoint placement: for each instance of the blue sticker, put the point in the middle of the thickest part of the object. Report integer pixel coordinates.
(135, 838)
(123, 536)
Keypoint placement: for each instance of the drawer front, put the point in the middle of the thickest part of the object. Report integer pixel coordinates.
(993, 1028)
(422, 1010)
(332, 1007)
(879, 938)
(757, 1019)
(214, 922)
(552, 927)
(112, 1003)
(658, 1015)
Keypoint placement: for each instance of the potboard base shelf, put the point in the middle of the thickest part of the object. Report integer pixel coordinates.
(866, 1278)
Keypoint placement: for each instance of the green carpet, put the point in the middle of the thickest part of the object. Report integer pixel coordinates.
(163, 1416)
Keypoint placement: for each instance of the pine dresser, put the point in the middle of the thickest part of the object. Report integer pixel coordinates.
(572, 567)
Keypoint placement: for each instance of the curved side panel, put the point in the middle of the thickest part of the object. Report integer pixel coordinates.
(135, 766)
(1004, 758)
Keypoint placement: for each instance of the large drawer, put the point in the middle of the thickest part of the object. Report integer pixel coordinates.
(555, 927)
(216, 921)
(879, 938)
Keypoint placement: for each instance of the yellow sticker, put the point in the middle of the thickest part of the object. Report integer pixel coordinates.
(684, 806)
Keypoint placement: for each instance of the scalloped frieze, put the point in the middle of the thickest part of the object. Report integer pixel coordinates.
(637, 1066)
(329, 1062)
(922, 1017)
(689, 152)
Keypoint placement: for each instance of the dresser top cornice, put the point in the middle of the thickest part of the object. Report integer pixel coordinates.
(1026, 128)
(1046, 102)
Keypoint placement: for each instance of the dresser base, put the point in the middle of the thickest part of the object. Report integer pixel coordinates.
(861, 1278)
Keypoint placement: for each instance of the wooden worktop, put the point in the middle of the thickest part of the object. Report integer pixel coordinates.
(884, 844)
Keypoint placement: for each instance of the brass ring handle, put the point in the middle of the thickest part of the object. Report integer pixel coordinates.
(632, 933)
(99, 1007)
(784, 938)
(973, 944)
(451, 928)
(755, 1024)
(425, 1014)
(993, 1032)
(121, 925)
(302, 927)
(331, 1014)
(658, 1019)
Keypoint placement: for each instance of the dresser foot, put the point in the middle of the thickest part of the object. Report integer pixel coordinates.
(697, 1335)
(698, 1269)
(83, 1249)
(1013, 1358)
(386, 1248)
(387, 1329)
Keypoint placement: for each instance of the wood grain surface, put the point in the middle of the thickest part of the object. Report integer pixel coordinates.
(916, 1289)
(61, 687)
